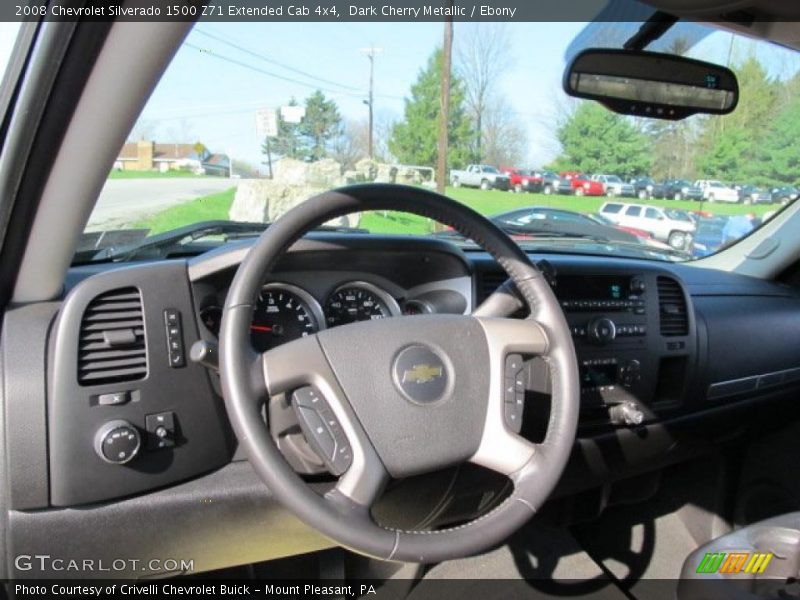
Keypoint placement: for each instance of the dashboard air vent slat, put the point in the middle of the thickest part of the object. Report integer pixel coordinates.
(672, 312)
(112, 346)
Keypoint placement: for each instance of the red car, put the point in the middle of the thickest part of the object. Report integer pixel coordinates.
(523, 180)
(580, 184)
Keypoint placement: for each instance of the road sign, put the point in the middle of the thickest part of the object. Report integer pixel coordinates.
(267, 122)
(293, 114)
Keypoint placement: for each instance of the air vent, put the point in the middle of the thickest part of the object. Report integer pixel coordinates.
(112, 346)
(488, 282)
(672, 308)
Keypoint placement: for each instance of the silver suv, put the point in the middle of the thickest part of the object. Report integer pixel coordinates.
(675, 227)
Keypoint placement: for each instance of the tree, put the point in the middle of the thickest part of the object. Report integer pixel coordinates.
(350, 144)
(144, 130)
(482, 57)
(288, 143)
(728, 156)
(778, 156)
(413, 140)
(728, 146)
(505, 140)
(320, 125)
(596, 140)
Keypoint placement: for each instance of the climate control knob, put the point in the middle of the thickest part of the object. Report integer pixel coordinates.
(601, 330)
(117, 442)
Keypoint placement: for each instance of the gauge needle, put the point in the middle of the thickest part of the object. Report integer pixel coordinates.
(261, 328)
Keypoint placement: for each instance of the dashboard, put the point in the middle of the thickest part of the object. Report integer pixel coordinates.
(117, 428)
(314, 301)
(655, 343)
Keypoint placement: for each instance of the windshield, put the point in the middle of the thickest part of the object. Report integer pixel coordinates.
(249, 119)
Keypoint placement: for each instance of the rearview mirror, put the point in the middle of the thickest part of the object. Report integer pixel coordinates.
(649, 84)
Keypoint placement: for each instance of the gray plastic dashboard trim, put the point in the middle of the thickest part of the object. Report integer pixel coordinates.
(232, 254)
(24, 354)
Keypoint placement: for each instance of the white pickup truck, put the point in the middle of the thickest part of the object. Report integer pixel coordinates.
(485, 177)
(716, 191)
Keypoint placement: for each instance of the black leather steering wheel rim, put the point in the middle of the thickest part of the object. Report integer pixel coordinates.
(248, 378)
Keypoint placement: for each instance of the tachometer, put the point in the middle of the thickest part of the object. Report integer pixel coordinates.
(283, 313)
(359, 301)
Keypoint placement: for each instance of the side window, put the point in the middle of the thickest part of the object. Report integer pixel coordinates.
(612, 208)
(634, 211)
(651, 213)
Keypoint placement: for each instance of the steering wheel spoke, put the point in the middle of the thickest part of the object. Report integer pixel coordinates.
(300, 370)
(501, 448)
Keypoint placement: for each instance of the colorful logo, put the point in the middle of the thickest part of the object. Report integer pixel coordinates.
(731, 563)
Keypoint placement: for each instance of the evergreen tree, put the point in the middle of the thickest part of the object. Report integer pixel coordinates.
(413, 140)
(596, 140)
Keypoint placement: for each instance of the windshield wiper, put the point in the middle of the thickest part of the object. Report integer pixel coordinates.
(163, 243)
(175, 237)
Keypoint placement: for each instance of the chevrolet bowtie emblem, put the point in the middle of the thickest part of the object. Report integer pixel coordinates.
(421, 374)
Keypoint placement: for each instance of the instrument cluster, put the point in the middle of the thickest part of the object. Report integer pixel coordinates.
(285, 312)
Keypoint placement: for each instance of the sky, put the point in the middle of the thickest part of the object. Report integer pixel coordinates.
(215, 100)
(211, 91)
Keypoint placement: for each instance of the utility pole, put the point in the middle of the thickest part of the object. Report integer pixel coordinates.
(444, 110)
(370, 53)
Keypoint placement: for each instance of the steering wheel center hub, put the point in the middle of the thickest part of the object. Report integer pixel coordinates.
(422, 374)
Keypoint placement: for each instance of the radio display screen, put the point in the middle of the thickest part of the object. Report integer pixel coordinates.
(593, 288)
(598, 375)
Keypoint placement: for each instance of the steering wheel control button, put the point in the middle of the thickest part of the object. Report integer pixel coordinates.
(514, 384)
(117, 442)
(174, 330)
(322, 429)
(114, 398)
(160, 429)
(512, 413)
(420, 374)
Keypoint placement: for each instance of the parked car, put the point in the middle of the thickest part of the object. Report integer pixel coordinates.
(784, 194)
(530, 214)
(485, 177)
(716, 191)
(664, 224)
(640, 233)
(751, 194)
(550, 181)
(579, 184)
(645, 188)
(522, 180)
(544, 220)
(681, 189)
(615, 186)
(708, 237)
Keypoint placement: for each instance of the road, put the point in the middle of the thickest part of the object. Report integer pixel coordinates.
(124, 201)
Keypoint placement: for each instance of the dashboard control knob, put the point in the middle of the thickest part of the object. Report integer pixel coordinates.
(601, 330)
(630, 372)
(117, 442)
(627, 413)
(637, 286)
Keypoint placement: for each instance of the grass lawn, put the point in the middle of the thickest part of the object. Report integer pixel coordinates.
(150, 174)
(206, 208)
(216, 206)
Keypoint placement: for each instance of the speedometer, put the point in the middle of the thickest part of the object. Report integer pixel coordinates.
(283, 313)
(359, 301)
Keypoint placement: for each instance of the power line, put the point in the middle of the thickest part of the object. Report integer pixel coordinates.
(268, 73)
(275, 62)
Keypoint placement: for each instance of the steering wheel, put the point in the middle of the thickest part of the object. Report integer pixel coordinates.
(403, 396)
